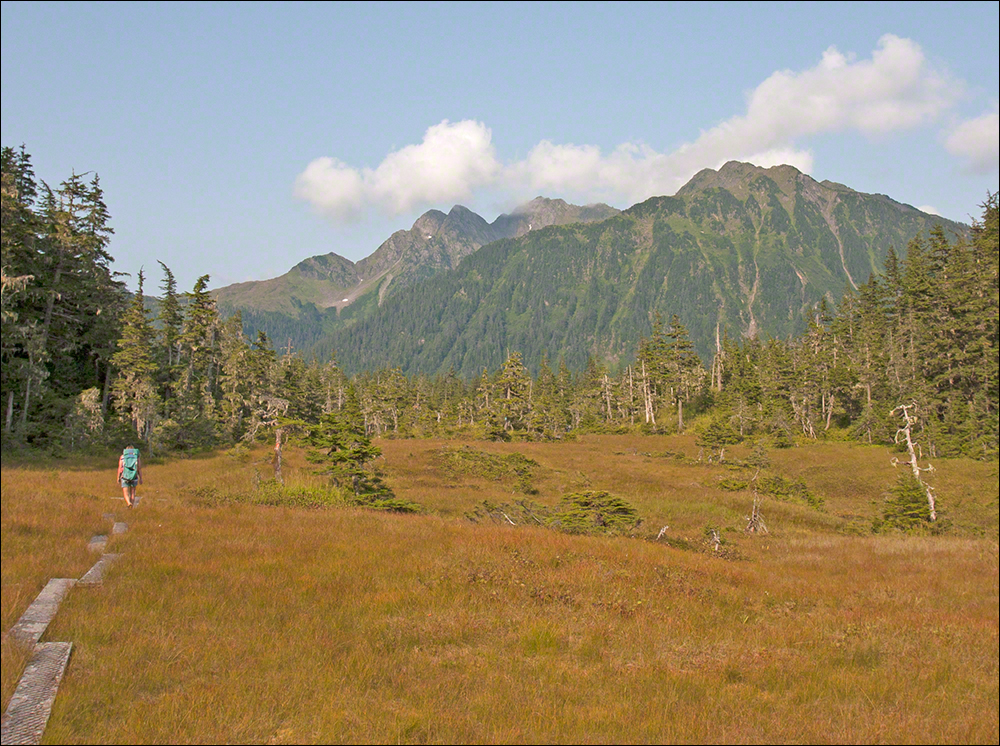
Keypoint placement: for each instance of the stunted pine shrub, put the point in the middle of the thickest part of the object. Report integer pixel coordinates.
(340, 446)
(514, 469)
(272, 493)
(594, 512)
(515, 513)
(776, 486)
(388, 502)
(718, 434)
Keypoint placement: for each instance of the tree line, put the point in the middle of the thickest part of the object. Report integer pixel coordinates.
(85, 362)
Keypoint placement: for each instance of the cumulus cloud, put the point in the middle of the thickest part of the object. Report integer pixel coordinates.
(333, 187)
(895, 89)
(453, 160)
(977, 141)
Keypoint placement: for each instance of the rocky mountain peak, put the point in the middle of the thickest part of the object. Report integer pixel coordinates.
(742, 179)
(540, 204)
(429, 223)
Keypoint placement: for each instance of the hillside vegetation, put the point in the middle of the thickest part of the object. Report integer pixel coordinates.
(745, 250)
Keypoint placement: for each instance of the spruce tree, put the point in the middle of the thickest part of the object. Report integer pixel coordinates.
(340, 447)
(512, 394)
(134, 390)
(171, 322)
(196, 396)
(61, 304)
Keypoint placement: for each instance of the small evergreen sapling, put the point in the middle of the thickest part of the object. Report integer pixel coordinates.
(342, 448)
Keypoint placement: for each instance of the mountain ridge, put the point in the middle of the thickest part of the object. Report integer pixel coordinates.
(743, 249)
(435, 242)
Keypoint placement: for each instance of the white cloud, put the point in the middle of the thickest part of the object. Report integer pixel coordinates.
(929, 209)
(333, 188)
(977, 141)
(631, 171)
(895, 89)
(452, 161)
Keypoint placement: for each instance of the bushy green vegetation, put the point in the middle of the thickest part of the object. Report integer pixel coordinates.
(906, 506)
(513, 468)
(775, 485)
(593, 512)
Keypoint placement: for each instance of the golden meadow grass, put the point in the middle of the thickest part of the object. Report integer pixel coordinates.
(228, 622)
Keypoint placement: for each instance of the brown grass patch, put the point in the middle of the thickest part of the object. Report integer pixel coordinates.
(227, 622)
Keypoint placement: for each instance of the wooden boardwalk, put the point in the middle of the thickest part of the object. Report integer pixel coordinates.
(28, 712)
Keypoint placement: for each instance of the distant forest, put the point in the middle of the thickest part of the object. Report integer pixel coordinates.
(86, 364)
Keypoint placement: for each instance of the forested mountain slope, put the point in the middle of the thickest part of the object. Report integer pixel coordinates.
(742, 250)
(435, 242)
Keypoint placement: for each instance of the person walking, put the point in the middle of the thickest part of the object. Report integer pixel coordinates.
(130, 474)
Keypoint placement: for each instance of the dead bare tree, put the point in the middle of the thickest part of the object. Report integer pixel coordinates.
(647, 396)
(905, 435)
(269, 413)
(755, 521)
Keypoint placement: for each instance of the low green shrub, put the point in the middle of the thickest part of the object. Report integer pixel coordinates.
(776, 486)
(513, 468)
(586, 512)
(595, 512)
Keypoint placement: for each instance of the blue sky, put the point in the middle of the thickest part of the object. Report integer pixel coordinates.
(237, 139)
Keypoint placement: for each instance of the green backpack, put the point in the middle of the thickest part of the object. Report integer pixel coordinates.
(130, 464)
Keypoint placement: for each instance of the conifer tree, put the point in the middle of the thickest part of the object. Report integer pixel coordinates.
(134, 390)
(628, 397)
(245, 381)
(340, 446)
(19, 265)
(196, 396)
(652, 364)
(334, 384)
(685, 371)
(171, 322)
(545, 419)
(512, 394)
(61, 303)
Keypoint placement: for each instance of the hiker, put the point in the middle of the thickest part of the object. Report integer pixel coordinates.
(129, 474)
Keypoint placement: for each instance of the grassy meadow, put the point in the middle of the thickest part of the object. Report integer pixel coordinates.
(229, 621)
